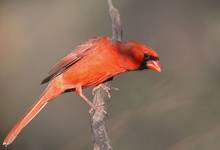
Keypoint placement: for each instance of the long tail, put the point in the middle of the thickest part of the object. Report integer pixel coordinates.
(50, 92)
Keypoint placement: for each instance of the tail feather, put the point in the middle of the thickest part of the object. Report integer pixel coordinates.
(49, 93)
(24, 121)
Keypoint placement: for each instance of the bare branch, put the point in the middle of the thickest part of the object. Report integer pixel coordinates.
(116, 22)
(99, 133)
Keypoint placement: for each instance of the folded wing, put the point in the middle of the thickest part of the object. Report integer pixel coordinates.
(71, 59)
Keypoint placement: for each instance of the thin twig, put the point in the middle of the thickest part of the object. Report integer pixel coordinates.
(116, 22)
(100, 137)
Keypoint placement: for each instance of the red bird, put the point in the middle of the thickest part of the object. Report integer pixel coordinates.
(91, 64)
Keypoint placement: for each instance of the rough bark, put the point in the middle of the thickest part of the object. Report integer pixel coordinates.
(100, 136)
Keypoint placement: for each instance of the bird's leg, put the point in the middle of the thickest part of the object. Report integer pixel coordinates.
(105, 88)
(93, 107)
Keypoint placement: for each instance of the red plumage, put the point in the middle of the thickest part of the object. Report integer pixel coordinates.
(91, 64)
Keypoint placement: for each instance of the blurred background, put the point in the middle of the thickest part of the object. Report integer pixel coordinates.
(177, 109)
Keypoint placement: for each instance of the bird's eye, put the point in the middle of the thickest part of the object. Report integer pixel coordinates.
(146, 57)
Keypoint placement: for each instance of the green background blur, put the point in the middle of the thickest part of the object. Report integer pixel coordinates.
(177, 109)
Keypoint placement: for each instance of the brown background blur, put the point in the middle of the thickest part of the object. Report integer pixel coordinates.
(177, 109)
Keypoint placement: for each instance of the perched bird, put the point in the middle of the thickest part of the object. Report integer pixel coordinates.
(92, 63)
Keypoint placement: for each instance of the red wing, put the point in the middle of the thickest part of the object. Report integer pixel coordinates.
(70, 59)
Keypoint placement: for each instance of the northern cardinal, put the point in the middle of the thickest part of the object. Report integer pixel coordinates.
(92, 63)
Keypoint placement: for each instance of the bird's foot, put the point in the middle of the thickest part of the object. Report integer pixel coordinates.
(105, 88)
(99, 108)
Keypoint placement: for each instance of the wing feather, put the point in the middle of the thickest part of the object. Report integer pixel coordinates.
(71, 59)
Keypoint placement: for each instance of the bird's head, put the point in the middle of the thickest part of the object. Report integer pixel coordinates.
(142, 56)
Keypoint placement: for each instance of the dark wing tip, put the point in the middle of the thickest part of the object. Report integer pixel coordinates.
(47, 79)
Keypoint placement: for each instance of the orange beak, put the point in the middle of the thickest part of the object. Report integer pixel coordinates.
(154, 65)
